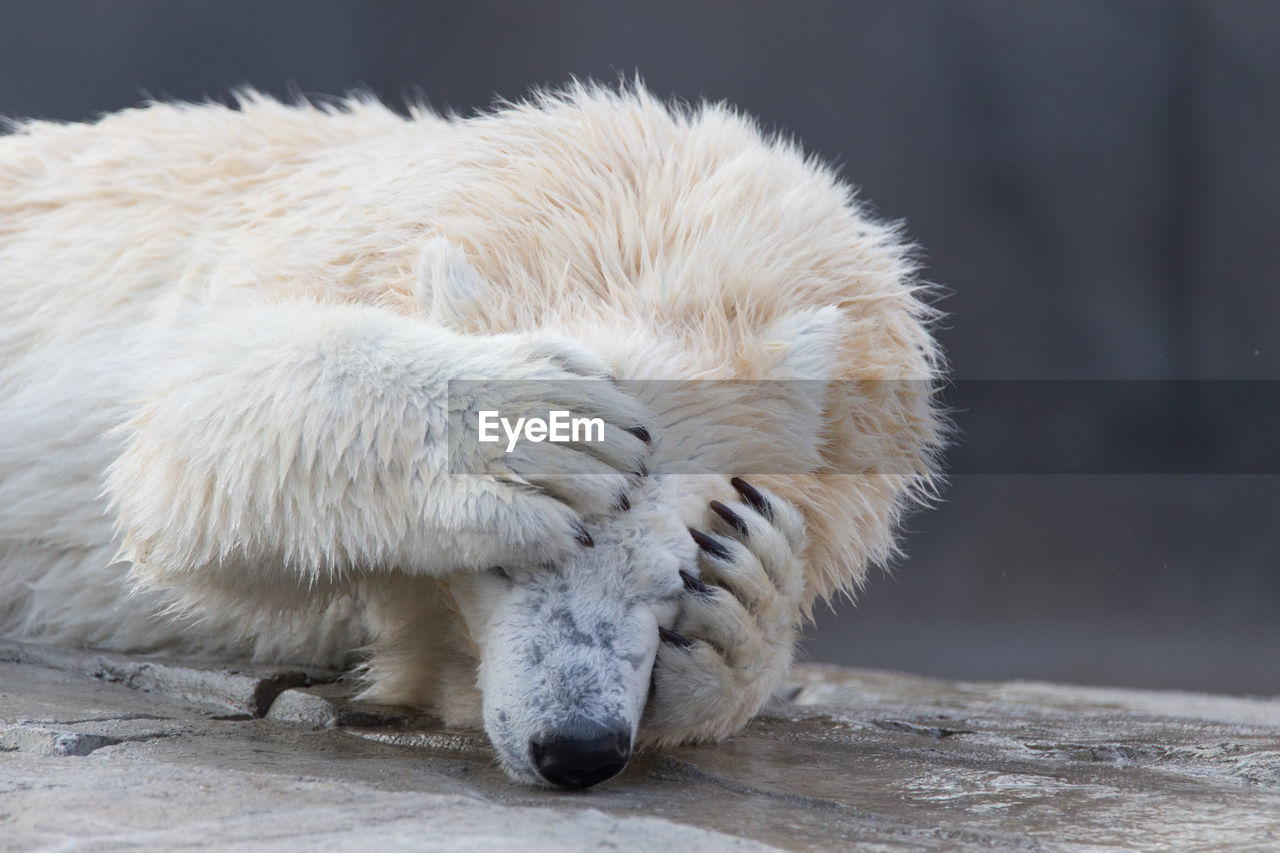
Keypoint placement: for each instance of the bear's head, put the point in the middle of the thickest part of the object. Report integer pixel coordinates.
(690, 252)
(565, 652)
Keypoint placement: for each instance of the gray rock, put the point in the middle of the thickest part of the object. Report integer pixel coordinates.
(43, 740)
(855, 758)
(248, 688)
(327, 705)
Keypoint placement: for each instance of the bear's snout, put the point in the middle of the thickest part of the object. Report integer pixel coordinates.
(581, 755)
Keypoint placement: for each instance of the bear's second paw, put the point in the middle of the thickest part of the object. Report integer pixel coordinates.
(732, 642)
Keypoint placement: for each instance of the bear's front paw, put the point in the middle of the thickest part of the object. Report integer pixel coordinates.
(553, 441)
(732, 642)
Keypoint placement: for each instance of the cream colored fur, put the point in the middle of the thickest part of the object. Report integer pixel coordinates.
(224, 335)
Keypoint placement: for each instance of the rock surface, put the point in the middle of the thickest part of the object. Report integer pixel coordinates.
(110, 752)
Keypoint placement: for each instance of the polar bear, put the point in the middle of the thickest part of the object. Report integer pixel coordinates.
(231, 342)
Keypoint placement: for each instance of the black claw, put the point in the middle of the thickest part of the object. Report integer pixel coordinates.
(623, 504)
(642, 472)
(694, 585)
(583, 537)
(640, 433)
(708, 544)
(753, 497)
(735, 521)
(677, 640)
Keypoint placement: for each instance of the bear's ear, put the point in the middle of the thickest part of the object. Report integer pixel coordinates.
(449, 290)
(807, 342)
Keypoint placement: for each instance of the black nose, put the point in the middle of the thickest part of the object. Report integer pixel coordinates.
(582, 755)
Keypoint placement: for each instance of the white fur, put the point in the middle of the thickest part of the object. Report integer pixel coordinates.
(225, 342)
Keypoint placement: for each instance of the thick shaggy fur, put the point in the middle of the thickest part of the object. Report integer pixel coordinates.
(221, 331)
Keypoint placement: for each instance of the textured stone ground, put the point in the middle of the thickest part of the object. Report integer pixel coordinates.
(108, 752)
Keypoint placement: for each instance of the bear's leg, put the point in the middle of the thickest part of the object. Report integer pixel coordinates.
(285, 449)
(733, 640)
(420, 655)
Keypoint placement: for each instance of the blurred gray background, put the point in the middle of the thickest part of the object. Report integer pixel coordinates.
(1096, 183)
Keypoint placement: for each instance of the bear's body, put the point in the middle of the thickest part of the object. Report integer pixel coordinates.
(224, 334)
